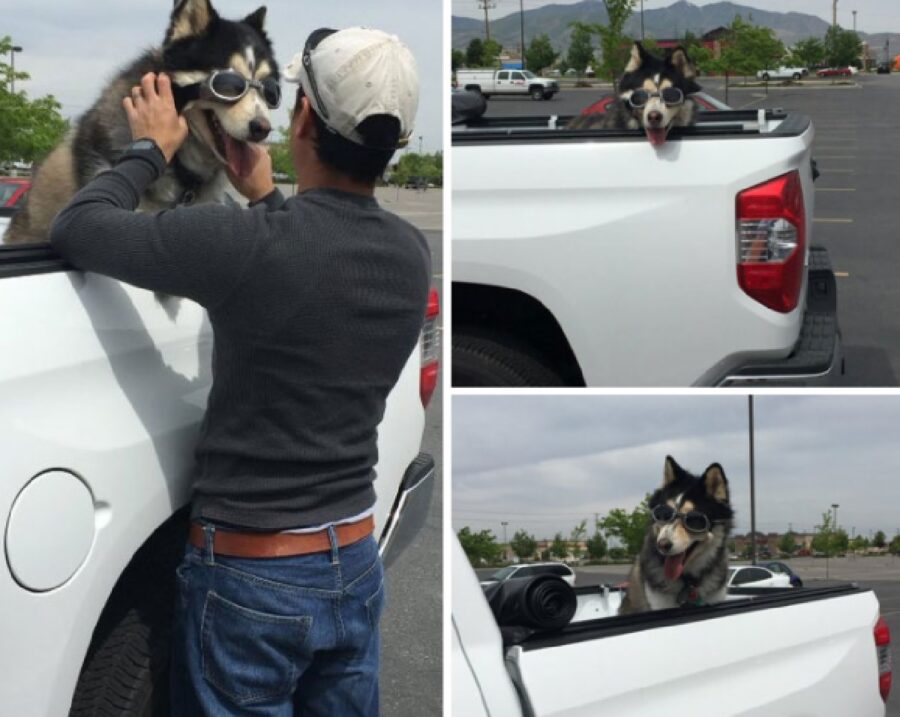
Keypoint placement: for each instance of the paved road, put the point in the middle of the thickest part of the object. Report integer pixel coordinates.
(411, 675)
(858, 151)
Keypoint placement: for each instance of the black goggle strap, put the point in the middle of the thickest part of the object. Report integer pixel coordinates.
(311, 43)
(184, 94)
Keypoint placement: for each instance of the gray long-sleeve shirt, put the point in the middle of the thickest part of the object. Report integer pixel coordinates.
(315, 304)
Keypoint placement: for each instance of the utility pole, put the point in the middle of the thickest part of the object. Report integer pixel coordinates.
(833, 13)
(522, 30)
(752, 489)
(12, 62)
(504, 523)
(642, 20)
(835, 506)
(490, 4)
(854, 21)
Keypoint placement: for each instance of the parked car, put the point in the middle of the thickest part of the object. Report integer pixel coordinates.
(783, 73)
(781, 568)
(755, 576)
(837, 72)
(13, 191)
(507, 82)
(529, 570)
(884, 68)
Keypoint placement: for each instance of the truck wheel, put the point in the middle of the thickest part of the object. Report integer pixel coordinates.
(796, 75)
(126, 671)
(537, 93)
(498, 361)
(765, 76)
(548, 95)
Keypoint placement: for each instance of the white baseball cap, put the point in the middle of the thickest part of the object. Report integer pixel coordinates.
(349, 75)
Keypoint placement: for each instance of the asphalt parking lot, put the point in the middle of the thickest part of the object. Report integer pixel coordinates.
(857, 147)
(412, 647)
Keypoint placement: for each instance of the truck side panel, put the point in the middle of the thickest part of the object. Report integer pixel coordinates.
(631, 248)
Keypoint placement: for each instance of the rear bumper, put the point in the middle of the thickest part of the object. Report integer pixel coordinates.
(817, 357)
(410, 509)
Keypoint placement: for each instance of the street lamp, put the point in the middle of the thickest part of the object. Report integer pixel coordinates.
(12, 61)
(642, 20)
(835, 506)
(420, 144)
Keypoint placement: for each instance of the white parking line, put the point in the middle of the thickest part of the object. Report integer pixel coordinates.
(835, 189)
(823, 220)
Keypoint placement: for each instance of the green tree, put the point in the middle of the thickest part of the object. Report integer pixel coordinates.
(842, 47)
(523, 545)
(29, 129)
(457, 59)
(481, 548)
(613, 42)
(412, 166)
(280, 151)
(578, 533)
(840, 541)
(859, 543)
(475, 53)
(492, 50)
(558, 548)
(894, 547)
(596, 546)
(700, 55)
(540, 54)
(581, 51)
(809, 52)
(822, 540)
(879, 541)
(628, 528)
(787, 543)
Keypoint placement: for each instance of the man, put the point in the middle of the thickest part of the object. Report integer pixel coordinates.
(316, 303)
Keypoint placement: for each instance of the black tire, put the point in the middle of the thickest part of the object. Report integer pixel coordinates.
(548, 95)
(765, 76)
(498, 360)
(537, 93)
(126, 671)
(796, 75)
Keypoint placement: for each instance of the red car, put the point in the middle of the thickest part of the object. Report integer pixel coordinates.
(835, 72)
(13, 191)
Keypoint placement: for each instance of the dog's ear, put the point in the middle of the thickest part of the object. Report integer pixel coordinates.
(190, 18)
(678, 58)
(672, 471)
(257, 19)
(638, 56)
(715, 482)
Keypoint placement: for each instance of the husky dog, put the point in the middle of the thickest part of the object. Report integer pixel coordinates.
(654, 95)
(225, 80)
(683, 560)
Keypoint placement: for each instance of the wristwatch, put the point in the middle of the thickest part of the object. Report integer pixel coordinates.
(146, 148)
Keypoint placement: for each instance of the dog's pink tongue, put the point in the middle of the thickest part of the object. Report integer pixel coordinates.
(674, 566)
(657, 137)
(240, 155)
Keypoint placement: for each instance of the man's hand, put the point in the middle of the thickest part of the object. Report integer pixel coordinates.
(151, 113)
(258, 183)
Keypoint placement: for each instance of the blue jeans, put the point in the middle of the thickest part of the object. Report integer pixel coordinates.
(278, 636)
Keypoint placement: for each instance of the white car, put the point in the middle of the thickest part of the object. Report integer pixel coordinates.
(529, 570)
(753, 576)
(783, 73)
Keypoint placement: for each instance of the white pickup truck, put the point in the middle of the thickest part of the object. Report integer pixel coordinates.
(506, 82)
(589, 257)
(798, 652)
(783, 73)
(103, 388)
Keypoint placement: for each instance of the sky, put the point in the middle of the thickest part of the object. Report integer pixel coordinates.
(872, 15)
(544, 463)
(72, 48)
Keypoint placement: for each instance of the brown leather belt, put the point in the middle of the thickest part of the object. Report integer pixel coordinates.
(275, 545)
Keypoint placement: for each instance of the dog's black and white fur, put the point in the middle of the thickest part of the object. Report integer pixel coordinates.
(648, 72)
(675, 566)
(196, 42)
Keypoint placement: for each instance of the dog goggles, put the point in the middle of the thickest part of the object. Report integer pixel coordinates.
(694, 521)
(230, 86)
(670, 95)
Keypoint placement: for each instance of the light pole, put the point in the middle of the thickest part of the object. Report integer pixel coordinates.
(522, 30)
(854, 21)
(642, 20)
(12, 62)
(420, 144)
(504, 523)
(835, 506)
(834, 13)
(752, 487)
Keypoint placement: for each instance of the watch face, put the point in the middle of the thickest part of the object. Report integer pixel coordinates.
(143, 144)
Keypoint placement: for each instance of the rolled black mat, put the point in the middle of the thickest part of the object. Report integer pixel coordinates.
(543, 602)
(465, 106)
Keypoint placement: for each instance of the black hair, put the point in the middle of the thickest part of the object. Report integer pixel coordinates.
(364, 163)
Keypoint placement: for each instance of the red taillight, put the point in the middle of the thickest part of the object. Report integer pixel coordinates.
(431, 349)
(771, 241)
(883, 646)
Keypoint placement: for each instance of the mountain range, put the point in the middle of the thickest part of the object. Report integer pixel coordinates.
(661, 23)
